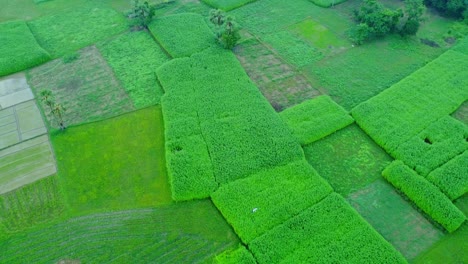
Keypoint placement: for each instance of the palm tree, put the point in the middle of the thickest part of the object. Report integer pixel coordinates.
(58, 111)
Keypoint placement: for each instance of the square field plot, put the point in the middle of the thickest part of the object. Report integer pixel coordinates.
(86, 87)
(25, 163)
(14, 90)
(395, 218)
(20, 122)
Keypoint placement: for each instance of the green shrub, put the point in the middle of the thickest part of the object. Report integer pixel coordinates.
(425, 195)
(134, 57)
(242, 131)
(402, 111)
(182, 35)
(328, 232)
(19, 50)
(452, 177)
(434, 146)
(241, 255)
(315, 119)
(256, 204)
(227, 5)
(70, 57)
(69, 31)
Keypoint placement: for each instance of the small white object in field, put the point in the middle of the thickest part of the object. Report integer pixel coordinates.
(352, 46)
(254, 210)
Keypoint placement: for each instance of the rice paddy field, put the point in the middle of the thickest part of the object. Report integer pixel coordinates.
(156, 144)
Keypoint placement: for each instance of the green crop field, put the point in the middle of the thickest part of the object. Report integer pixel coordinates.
(134, 132)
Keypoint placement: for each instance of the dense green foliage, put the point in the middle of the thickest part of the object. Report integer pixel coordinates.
(293, 49)
(348, 159)
(452, 177)
(227, 5)
(142, 13)
(120, 163)
(329, 232)
(241, 255)
(256, 204)
(315, 119)
(425, 195)
(69, 31)
(19, 50)
(456, 8)
(182, 35)
(434, 146)
(239, 142)
(35, 203)
(134, 57)
(408, 107)
(181, 233)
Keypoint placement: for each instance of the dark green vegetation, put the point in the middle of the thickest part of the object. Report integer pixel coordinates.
(183, 233)
(86, 86)
(348, 159)
(239, 255)
(227, 5)
(315, 119)
(134, 57)
(340, 234)
(266, 199)
(425, 195)
(182, 35)
(19, 50)
(65, 32)
(120, 165)
(239, 142)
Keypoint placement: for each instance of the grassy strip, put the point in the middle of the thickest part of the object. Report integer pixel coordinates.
(192, 232)
(315, 119)
(327, 3)
(227, 5)
(65, 32)
(425, 195)
(408, 107)
(434, 146)
(452, 177)
(462, 46)
(19, 48)
(35, 203)
(241, 255)
(256, 204)
(120, 163)
(182, 35)
(328, 232)
(134, 57)
(240, 142)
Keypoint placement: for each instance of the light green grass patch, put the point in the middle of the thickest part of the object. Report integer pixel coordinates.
(19, 49)
(327, 3)
(69, 31)
(86, 87)
(29, 205)
(114, 164)
(315, 119)
(292, 48)
(134, 57)
(319, 35)
(395, 218)
(348, 159)
(227, 5)
(182, 35)
(192, 232)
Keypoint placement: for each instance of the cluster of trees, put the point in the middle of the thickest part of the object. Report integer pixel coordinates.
(56, 110)
(227, 30)
(375, 20)
(454, 8)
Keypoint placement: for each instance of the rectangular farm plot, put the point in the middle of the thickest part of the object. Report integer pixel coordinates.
(20, 49)
(66, 32)
(315, 119)
(328, 232)
(25, 163)
(395, 218)
(134, 57)
(320, 36)
(256, 204)
(182, 35)
(86, 87)
(227, 5)
(14, 90)
(20, 122)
